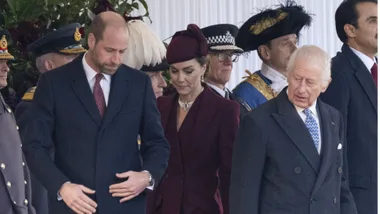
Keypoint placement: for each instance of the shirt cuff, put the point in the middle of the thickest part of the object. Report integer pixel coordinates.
(59, 198)
(151, 187)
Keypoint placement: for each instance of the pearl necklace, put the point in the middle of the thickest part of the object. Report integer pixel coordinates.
(185, 105)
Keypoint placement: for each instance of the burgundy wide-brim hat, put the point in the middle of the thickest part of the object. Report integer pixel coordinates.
(186, 45)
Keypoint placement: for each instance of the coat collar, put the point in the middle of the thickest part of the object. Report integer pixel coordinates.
(362, 74)
(294, 127)
(118, 94)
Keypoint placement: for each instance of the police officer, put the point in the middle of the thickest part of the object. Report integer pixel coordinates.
(15, 189)
(52, 51)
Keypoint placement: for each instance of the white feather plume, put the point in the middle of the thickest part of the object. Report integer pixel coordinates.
(144, 46)
(90, 14)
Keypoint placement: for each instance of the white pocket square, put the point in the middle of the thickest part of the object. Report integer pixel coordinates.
(339, 146)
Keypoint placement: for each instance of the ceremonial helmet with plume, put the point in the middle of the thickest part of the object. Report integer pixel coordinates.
(144, 46)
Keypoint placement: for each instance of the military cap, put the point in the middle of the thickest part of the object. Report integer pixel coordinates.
(4, 38)
(65, 40)
(221, 37)
(288, 18)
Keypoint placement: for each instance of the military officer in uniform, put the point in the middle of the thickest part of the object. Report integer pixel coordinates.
(52, 51)
(15, 189)
(274, 34)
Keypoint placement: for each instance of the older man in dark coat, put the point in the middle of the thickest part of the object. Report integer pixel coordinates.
(15, 191)
(290, 154)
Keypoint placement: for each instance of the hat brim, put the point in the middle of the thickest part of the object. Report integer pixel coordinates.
(157, 68)
(6, 56)
(73, 51)
(232, 48)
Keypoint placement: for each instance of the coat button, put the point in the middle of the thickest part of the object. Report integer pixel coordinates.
(17, 128)
(26, 202)
(25, 182)
(334, 200)
(297, 170)
(23, 163)
(312, 200)
(340, 170)
(14, 202)
(2, 165)
(9, 184)
(9, 110)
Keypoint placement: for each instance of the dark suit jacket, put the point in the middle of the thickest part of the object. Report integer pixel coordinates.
(201, 147)
(243, 109)
(89, 150)
(15, 190)
(21, 107)
(276, 168)
(39, 193)
(354, 93)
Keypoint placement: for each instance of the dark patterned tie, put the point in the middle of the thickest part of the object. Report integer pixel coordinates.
(374, 73)
(227, 95)
(98, 95)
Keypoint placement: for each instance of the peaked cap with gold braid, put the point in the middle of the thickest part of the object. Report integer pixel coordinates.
(64, 40)
(4, 38)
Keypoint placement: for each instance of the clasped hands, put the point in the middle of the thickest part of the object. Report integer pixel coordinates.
(74, 195)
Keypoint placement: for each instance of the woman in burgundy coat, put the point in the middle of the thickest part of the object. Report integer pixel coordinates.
(201, 128)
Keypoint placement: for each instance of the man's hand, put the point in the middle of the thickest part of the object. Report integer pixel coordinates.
(74, 196)
(136, 183)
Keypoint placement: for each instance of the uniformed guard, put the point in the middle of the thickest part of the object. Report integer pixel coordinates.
(274, 34)
(15, 187)
(51, 51)
(55, 49)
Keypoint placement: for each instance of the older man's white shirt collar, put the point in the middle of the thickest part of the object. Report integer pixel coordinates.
(312, 108)
(368, 62)
(217, 89)
(279, 81)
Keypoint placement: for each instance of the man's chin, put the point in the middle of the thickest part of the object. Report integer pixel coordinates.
(3, 84)
(158, 94)
(109, 71)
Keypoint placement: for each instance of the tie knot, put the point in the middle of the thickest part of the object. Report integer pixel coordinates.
(374, 67)
(98, 77)
(307, 112)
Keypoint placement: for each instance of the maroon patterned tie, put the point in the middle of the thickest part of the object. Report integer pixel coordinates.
(99, 96)
(374, 73)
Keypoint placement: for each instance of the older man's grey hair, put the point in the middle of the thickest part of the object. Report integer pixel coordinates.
(314, 55)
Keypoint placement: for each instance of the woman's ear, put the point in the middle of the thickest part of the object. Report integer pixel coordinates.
(204, 67)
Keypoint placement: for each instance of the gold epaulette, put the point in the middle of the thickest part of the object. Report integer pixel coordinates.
(28, 96)
(256, 81)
